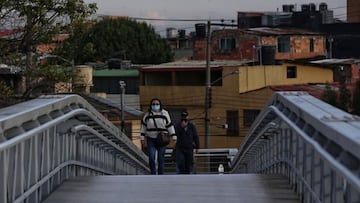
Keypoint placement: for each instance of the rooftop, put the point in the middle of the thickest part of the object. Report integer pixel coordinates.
(199, 64)
(116, 73)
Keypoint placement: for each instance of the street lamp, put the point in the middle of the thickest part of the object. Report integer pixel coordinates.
(122, 99)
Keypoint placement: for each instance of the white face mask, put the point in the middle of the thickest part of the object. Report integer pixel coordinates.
(155, 107)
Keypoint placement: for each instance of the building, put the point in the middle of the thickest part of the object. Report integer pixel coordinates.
(307, 17)
(347, 69)
(180, 43)
(107, 80)
(353, 11)
(342, 40)
(264, 45)
(236, 99)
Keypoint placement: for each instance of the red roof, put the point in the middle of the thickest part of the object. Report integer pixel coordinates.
(4, 33)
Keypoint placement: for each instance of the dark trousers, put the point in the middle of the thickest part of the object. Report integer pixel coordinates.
(153, 148)
(184, 160)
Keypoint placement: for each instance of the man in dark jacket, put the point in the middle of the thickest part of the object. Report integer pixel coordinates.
(187, 141)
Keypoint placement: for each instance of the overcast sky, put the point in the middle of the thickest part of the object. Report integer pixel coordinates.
(200, 9)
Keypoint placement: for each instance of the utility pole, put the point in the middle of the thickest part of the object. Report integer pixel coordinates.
(331, 40)
(122, 99)
(208, 91)
(208, 85)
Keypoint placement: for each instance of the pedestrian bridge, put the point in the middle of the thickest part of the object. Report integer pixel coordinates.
(58, 148)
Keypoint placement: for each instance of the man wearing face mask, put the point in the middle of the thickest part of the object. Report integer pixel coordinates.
(187, 142)
(156, 119)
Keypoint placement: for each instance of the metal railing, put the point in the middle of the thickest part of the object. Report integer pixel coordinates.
(206, 161)
(313, 144)
(50, 139)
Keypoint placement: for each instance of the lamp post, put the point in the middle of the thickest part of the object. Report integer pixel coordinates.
(122, 99)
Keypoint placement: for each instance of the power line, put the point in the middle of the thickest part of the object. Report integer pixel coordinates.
(180, 20)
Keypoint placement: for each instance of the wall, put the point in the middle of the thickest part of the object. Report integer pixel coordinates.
(255, 77)
(246, 46)
(353, 10)
(247, 90)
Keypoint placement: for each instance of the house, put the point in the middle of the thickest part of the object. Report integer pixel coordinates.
(307, 17)
(353, 9)
(107, 80)
(236, 99)
(264, 45)
(342, 39)
(345, 68)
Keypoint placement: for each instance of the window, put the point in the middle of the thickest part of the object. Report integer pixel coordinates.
(311, 45)
(232, 119)
(250, 116)
(227, 43)
(291, 72)
(283, 44)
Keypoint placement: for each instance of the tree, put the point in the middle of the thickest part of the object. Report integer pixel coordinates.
(344, 96)
(39, 21)
(77, 46)
(330, 96)
(356, 99)
(121, 38)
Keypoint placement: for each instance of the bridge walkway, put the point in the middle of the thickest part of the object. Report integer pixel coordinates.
(252, 188)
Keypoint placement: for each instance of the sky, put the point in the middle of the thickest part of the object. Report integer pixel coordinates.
(200, 9)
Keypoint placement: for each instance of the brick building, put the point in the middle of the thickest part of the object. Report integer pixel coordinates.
(353, 11)
(264, 45)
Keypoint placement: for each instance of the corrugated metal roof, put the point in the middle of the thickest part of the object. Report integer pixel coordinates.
(279, 31)
(116, 73)
(336, 61)
(199, 64)
(316, 90)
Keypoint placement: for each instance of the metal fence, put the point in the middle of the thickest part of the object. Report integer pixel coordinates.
(313, 144)
(206, 161)
(50, 139)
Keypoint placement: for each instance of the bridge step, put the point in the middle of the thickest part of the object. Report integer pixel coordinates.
(253, 188)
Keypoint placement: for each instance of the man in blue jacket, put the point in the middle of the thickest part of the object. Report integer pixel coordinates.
(187, 142)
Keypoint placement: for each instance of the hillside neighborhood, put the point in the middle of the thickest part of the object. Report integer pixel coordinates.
(295, 49)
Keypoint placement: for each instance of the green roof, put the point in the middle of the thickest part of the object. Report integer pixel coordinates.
(116, 73)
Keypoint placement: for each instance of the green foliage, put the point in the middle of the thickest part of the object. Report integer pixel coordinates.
(344, 96)
(43, 19)
(40, 21)
(78, 46)
(5, 91)
(43, 77)
(330, 96)
(120, 38)
(356, 99)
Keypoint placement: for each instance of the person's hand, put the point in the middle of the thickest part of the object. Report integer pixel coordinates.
(143, 143)
(196, 151)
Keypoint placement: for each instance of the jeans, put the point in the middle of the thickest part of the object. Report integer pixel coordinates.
(184, 161)
(153, 148)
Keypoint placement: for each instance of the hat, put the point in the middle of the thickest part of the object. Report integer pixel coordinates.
(184, 114)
